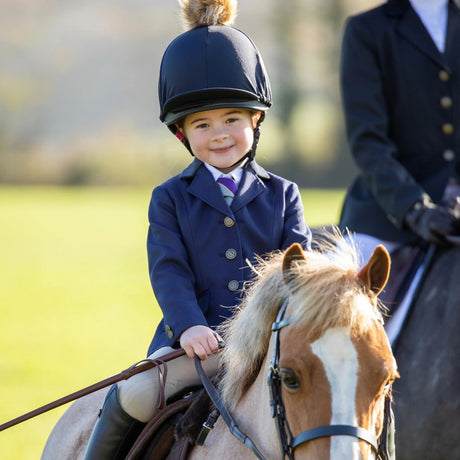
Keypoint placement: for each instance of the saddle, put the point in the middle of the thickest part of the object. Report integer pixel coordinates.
(171, 433)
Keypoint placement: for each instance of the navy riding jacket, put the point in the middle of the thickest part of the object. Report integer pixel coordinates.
(401, 100)
(199, 247)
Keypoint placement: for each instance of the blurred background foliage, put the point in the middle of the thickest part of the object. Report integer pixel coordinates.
(78, 82)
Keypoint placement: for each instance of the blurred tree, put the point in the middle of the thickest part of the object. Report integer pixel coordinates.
(75, 73)
(307, 102)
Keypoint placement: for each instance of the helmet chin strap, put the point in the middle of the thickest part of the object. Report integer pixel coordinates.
(242, 159)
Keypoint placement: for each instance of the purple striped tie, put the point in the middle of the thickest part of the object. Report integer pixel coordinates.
(228, 188)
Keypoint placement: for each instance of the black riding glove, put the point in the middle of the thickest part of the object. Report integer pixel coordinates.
(431, 222)
(454, 208)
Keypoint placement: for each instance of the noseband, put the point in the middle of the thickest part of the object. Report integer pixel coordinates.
(288, 442)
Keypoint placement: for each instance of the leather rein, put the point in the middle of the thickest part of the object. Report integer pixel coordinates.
(287, 441)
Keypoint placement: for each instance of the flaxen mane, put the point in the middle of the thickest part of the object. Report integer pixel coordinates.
(323, 292)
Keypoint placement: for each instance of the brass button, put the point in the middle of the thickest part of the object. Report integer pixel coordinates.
(169, 332)
(233, 285)
(230, 253)
(444, 75)
(229, 222)
(448, 128)
(448, 155)
(446, 102)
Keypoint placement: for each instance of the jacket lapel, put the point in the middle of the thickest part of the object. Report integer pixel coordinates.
(251, 185)
(453, 34)
(411, 28)
(203, 186)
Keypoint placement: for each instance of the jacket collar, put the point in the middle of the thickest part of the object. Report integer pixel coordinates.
(411, 28)
(399, 7)
(251, 185)
(453, 32)
(190, 171)
(396, 8)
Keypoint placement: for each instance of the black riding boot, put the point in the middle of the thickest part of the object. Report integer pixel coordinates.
(114, 432)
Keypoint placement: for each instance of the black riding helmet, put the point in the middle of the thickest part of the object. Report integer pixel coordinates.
(212, 67)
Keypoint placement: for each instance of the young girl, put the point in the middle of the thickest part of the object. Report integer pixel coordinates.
(213, 92)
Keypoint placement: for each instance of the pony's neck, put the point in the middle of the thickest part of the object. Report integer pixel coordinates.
(253, 414)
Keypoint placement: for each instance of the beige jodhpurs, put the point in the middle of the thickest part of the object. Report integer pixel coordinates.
(138, 395)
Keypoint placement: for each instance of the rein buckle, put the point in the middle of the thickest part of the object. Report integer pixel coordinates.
(208, 425)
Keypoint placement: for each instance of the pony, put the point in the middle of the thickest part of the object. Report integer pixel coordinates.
(312, 325)
(427, 399)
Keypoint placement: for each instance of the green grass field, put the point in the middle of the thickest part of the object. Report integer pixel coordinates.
(75, 299)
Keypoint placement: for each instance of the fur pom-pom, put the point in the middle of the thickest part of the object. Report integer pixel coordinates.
(198, 13)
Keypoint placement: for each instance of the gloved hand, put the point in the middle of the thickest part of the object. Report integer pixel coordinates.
(431, 222)
(454, 208)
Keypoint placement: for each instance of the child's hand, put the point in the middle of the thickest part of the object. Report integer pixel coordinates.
(199, 340)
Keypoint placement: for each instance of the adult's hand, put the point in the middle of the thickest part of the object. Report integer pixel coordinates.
(432, 222)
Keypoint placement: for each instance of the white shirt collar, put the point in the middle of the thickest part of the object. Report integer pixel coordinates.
(433, 14)
(235, 174)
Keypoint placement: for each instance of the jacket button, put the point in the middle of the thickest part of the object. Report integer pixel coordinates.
(229, 222)
(230, 253)
(447, 128)
(448, 155)
(444, 75)
(446, 102)
(233, 285)
(169, 332)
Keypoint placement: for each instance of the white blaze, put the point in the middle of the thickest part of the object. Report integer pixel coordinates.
(340, 360)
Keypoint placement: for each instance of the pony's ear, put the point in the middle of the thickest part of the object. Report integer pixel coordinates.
(375, 273)
(293, 253)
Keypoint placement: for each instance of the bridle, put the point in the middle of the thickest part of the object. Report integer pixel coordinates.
(287, 441)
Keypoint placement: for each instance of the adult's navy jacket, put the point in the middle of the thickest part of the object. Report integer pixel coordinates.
(198, 247)
(401, 100)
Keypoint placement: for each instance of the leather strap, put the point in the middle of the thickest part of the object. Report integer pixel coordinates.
(334, 430)
(162, 375)
(154, 424)
(218, 403)
(136, 368)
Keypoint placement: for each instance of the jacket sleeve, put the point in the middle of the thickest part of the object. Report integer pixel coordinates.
(367, 122)
(295, 228)
(170, 273)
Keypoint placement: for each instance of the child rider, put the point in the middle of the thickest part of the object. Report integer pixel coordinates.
(213, 91)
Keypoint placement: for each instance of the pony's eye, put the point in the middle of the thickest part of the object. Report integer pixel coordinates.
(289, 379)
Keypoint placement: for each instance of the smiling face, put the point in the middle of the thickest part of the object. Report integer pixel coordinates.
(220, 137)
